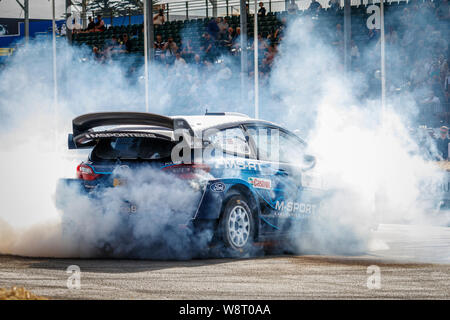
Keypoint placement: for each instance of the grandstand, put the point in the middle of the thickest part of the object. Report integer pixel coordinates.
(416, 40)
(192, 29)
(427, 27)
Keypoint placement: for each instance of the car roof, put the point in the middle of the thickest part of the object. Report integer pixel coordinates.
(203, 122)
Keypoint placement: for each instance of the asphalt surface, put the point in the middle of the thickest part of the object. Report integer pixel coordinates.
(270, 277)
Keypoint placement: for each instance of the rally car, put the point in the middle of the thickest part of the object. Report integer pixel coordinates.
(259, 185)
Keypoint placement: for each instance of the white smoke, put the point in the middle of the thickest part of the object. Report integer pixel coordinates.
(369, 160)
(158, 229)
(372, 166)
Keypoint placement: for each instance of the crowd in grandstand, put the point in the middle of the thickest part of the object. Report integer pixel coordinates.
(417, 50)
(416, 34)
(432, 145)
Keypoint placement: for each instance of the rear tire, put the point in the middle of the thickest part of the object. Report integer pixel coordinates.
(237, 227)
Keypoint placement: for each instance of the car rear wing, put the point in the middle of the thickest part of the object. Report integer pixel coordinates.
(83, 136)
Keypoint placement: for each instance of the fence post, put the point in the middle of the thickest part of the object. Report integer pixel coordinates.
(206, 2)
(187, 11)
(244, 61)
(227, 9)
(167, 11)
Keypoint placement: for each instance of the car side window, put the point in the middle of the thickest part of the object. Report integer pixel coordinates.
(262, 137)
(276, 145)
(291, 149)
(231, 141)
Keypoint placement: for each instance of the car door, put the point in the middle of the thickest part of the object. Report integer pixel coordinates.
(279, 177)
(228, 154)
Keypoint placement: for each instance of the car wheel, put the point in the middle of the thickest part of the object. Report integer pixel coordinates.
(237, 226)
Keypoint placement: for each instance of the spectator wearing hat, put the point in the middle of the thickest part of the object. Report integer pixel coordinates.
(442, 143)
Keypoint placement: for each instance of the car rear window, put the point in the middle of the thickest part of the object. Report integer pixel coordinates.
(132, 148)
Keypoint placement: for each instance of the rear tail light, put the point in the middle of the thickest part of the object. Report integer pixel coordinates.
(85, 172)
(188, 171)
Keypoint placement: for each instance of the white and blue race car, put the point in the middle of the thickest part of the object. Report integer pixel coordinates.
(254, 176)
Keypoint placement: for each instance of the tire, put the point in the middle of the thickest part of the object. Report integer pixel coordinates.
(237, 227)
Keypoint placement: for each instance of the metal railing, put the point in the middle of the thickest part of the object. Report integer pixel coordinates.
(204, 8)
(181, 10)
(191, 9)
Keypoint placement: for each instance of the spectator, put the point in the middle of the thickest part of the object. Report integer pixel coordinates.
(179, 61)
(292, 8)
(391, 36)
(442, 143)
(431, 103)
(186, 47)
(262, 44)
(159, 46)
(443, 68)
(63, 31)
(127, 43)
(265, 67)
(112, 46)
(170, 49)
(98, 56)
(279, 33)
(270, 54)
(334, 6)
(213, 28)
(236, 41)
(208, 47)
(76, 26)
(223, 26)
(198, 62)
(443, 11)
(91, 24)
(338, 39)
(262, 10)
(162, 60)
(159, 18)
(227, 40)
(373, 39)
(354, 52)
(100, 24)
(315, 6)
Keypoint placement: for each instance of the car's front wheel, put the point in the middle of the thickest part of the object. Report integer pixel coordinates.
(237, 226)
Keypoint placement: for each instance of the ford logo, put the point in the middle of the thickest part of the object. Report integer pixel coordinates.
(218, 187)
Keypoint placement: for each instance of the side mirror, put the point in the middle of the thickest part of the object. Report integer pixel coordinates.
(309, 162)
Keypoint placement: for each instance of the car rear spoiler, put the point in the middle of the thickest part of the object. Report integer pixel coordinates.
(82, 126)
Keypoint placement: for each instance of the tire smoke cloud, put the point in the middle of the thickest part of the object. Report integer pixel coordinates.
(369, 160)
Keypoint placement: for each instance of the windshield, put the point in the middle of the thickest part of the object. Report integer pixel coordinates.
(132, 148)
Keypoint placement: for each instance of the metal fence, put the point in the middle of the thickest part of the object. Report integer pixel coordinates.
(180, 10)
